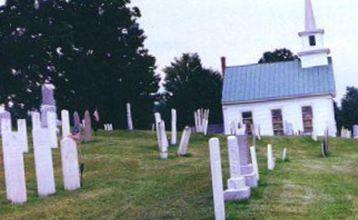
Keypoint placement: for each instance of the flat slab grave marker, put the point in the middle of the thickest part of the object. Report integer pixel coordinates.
(247, 169)
(88, 127)
(173, 139)
(184, 142)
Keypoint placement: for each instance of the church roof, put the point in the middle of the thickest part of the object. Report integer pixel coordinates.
(275, 81)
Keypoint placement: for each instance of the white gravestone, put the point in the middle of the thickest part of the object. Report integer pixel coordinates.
(43, 158)
(65, 119)
(52, 126)
(163, 140)
(173, 139)
(355, 131)
(13, 147)
(22, 130)
(70, 165)
(157, 119)
(284, 154)
(129, 117)
(255, 165)
(216, 176)
(247, 169)
(105, 127)
(237, 189)
(184, 142)
(270, 158)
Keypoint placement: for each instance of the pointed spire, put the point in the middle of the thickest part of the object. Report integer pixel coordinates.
(310, 20)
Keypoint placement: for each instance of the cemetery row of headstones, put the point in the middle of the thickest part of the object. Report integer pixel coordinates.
(243, 167)
(15, 144)
(162, 138)
(201, 119)
(108, 127)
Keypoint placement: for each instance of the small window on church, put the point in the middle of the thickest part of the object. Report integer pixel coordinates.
(307, 117)
(312, 40)
(277, 122)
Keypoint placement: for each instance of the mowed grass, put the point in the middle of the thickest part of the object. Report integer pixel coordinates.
(124, 179)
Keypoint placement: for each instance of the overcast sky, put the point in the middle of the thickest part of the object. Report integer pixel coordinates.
(242, 30)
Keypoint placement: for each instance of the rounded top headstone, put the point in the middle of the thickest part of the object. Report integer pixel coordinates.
(48, 94)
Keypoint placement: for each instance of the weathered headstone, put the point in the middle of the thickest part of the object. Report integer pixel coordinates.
(22, 131)
(284, 154)
(216, 176)
(247, 169)
(88, 127)
(173, 139)
(255, 165)
(201, 119)
(48, 102)
(184, 142)
(270, 158)
(129, 117)
(43, 158)
(289, 129)
(314, 136)
(69, 156)
(163, 140)
(52, 126)
(13, 147)
(158, 119)
(4, 115)
(355, 131)
(76, 123)
(325, 144)
(237, 189)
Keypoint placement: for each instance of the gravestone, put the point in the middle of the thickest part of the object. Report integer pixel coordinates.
(355, 131)
(247, 169)
(4, 115)
(88, 127)
(52, 126)
(22, 131)
(43, 157)
(129, 117)
(163, 140)
(325, 144)
(158, 119)
(69, 156)
(216, 178)
(314, 136)
(284, 154)
(13, 146)
(173, 139)
(255, 165)
(201, 119)
(184, 142)
(76, 123)
(48, 102)
(237, 189)
(270, 158)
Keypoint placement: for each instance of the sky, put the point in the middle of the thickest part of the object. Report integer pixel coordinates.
(241, 30)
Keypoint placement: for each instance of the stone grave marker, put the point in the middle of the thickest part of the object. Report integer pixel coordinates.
(247, 169)
(237, 189)
(173, 139)
(22, 131)
(216, 176)
(43, 158)
(163, 140)
(88, 127)
(201, 119)
(184, 142)
(355, 131)
(4, 114)
(254, 162)
(69, 156)
(48, 102)
(270, 158)
(158, 119)
(284, 154)
(129, 117)
(325, 144)
(52, 126)
(13, 146)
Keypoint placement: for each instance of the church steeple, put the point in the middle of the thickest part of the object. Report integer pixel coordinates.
(313, 52)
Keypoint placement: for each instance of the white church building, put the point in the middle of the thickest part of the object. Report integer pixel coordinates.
(285, 97)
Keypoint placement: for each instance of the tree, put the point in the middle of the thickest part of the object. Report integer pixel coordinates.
(349, 110)
(93, 51)
(189, 86)
(277, 56)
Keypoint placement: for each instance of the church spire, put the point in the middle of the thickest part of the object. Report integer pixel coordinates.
(310, 20)
(313, 51)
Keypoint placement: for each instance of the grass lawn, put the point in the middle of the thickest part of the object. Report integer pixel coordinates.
(124, 179)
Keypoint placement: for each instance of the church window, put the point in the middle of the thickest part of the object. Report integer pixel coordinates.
(312, 40)
(307, 117)
(277, 122)
(247, 120)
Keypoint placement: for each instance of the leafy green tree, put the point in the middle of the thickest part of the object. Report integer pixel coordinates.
(93, 51)
(189, 86)
(278, 55)
(349, 110)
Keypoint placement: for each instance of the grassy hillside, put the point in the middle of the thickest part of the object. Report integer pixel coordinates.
(124, 179)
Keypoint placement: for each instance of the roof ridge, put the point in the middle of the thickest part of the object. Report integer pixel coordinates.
(261, 64)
